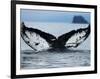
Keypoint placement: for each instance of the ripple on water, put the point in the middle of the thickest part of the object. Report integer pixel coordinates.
(54, 59)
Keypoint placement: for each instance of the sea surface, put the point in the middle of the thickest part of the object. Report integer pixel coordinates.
(54, 59)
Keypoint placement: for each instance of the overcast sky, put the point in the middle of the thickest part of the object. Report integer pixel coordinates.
(51, 16)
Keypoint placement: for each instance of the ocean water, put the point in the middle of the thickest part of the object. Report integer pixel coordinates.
(54, 59)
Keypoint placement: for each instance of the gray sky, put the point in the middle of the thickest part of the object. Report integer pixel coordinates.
(51, 16)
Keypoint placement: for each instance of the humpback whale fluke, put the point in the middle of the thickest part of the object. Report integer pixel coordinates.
(39, 40)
